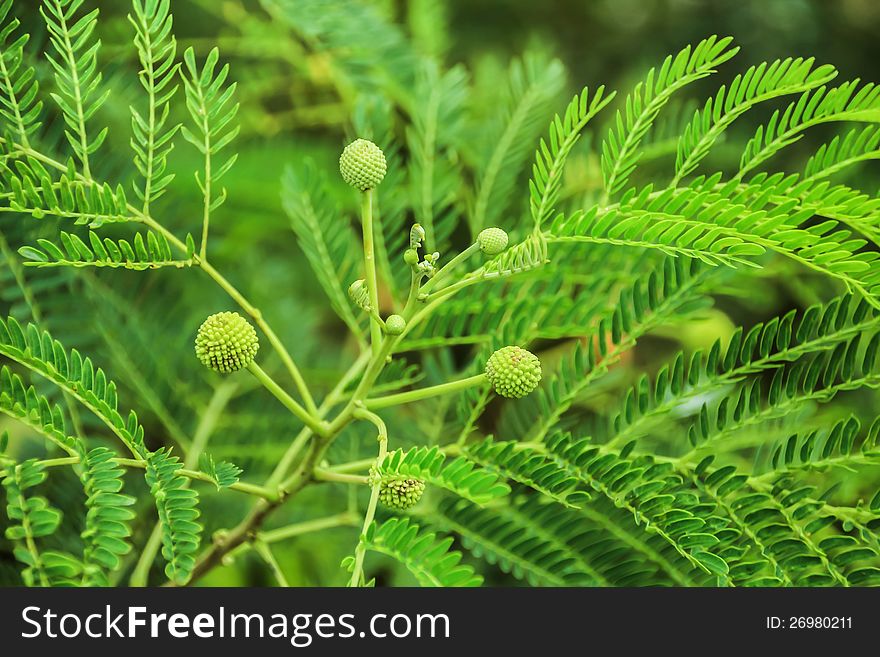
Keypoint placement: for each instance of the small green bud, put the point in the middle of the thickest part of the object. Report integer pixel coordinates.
(411, 257)
(362, 164)
(492, 241)
(399, 492)
(360, 294)
(226, 342)
(513, 371)
(395, 325)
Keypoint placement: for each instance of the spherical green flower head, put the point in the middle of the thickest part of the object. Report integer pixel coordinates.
(226, 342)
(492, 241)
(399, 492)
(513, 372)
(395, 325)
(362, 164)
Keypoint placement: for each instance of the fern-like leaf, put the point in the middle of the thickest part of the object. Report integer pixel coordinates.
(758, 84)
(328, 243)
(152, 135)
(846, 102)
(177, 505)
(531, 468)
(533, 84)
(552, 154)
(154, 252)
(76, 73)
(428, 559)
(620, 154)
(20, 106)
(108, 517)
(459, 476)
(78, 376)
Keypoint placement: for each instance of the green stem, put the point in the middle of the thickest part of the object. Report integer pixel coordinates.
(370, 269)
(298, 529)
(300, 441)
(363, 464)
(425, 393)
(289, 402)
(449, 266)
(357, 573)
(265, 553)
(251, 489)
(321, 474)
(257, 316)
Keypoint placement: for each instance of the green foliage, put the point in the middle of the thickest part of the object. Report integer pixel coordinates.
(77, 77)
(150, 253)
(223, 474)
(429, 560)
(620, 153)
(178, 512)
(107, 532)
(31, 518)
(153, 135)
(705, 307)
(459, 476)
(21, 107)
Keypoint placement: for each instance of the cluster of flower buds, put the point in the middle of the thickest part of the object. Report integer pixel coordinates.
(399, 492)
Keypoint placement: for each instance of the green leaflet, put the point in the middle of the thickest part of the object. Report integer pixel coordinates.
(31, 518)
(619, 150)
(20, 105)
(177, 505)
(108, 517)
(150, 252)
(459, 476)
(428, 559)
(78, 79)
(42, 354)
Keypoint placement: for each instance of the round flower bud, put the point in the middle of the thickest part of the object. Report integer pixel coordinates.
(513, 371)
(226, 342)
(360, 294)
(492, 241)
(411, 257)
(395, 325)
(399, 492)
(362, 164)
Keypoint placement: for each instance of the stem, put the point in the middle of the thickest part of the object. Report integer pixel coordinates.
(370, 269)
(307, 527)
(321, 474)
(289, 402)
(251, 489)
(363, 464)
(300, 441)
(449, 266)
(425, 393)
(298, 529)
(266, 554)
(141, 573)
(257, 316)
(357, 573)
(206, 214)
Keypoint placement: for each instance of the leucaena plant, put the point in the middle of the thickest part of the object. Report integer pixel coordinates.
(493, 408)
